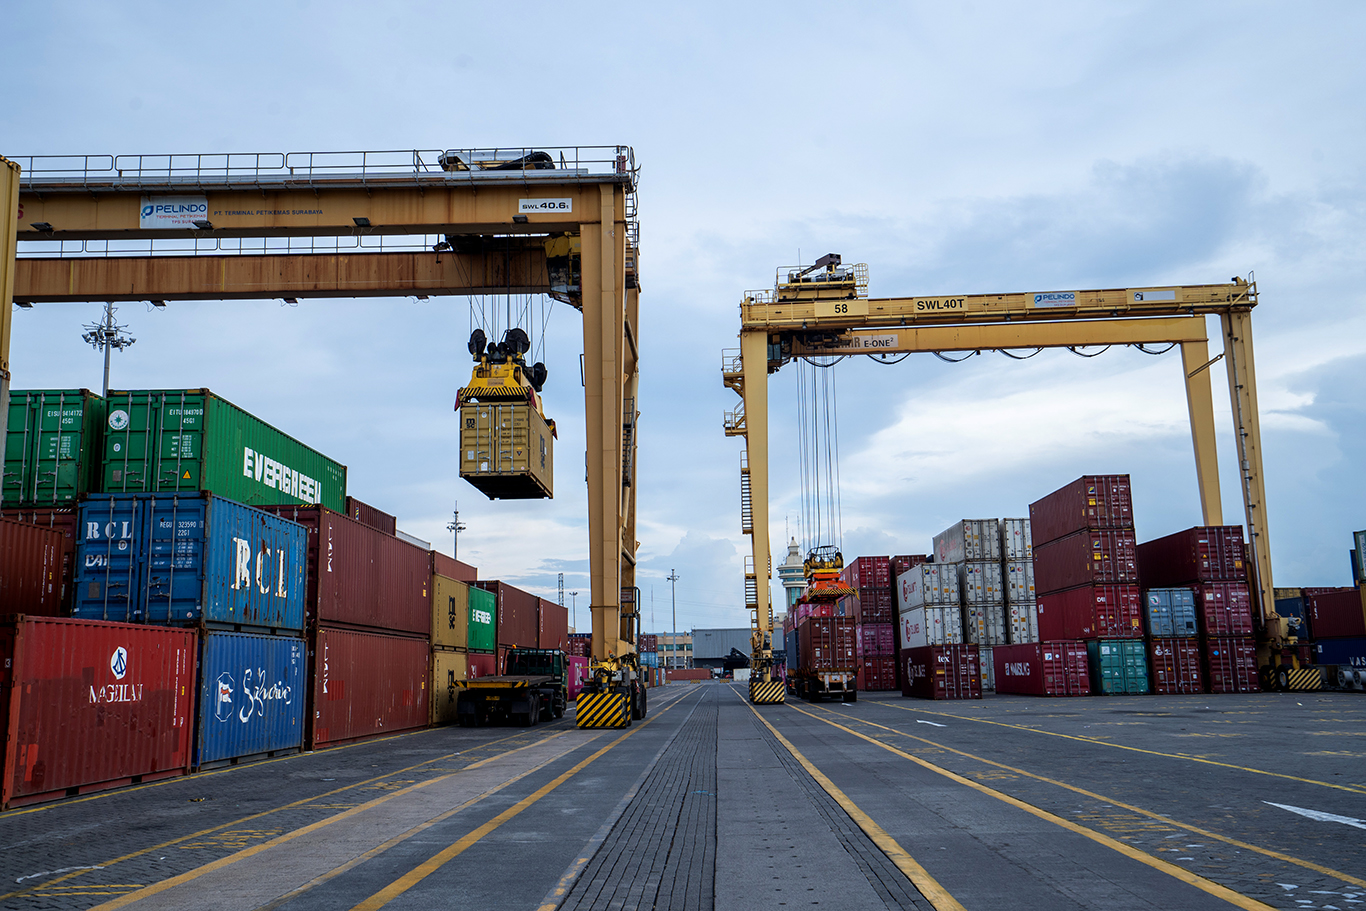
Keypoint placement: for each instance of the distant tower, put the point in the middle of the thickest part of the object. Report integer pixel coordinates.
(791, 574)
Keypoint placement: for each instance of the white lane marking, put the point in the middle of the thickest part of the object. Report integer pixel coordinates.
(1320, 816)
(55, 872)
(935, 723)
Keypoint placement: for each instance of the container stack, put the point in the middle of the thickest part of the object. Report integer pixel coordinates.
(1173, 643)
(450, 630)
(1337, 619)
(973, 547)
(1207, 561)
(876, 614)
(934, 662)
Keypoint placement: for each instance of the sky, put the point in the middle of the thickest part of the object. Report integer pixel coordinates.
(954, 148)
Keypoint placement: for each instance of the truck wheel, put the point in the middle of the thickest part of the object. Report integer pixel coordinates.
(851, 696)
(644, 702)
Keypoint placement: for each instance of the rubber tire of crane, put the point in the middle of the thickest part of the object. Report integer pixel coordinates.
(644, 702)
(1282, 680)
(637, 701)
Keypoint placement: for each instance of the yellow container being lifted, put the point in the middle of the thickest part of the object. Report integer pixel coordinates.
(506, 442)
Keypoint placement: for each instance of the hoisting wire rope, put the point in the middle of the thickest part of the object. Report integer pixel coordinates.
(818, 455)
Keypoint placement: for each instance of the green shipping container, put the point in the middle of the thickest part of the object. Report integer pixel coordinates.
(483, 635)
(52, 447)
(193, 440)
(1118, 666)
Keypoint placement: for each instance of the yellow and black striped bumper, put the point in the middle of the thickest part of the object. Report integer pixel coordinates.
(767, 692)
(1304, 678)
(602, 710)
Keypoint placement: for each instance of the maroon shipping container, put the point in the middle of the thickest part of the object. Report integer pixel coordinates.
(366, 514)
(1092, 612)
(869, 572)
(828, 644)
(1205, 553)
(365, 684)
(361, 578)
(553, 625)
(942, 672)
(908, 561)
(481, 664)
(1231, 665)
(1335, 613)
(1224, 608)
(649, 642)
(1085, 558)
(879, 674)
(580, 644)
(63, 521)
(877, 640)
(1091, 502)
(30, 569)
(518, 621)
(1042, 669)
(452, 568)
(1175, 666)
(89, 705)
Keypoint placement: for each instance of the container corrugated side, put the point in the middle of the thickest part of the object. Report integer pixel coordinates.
(901, 564)
(1057, 668)
(922, 626)
(189, 559)
(1336, 613)
(1091, 612)
(969, 539)
(1175, 666)
(64, 522)
(516, 614)
(1343, 652)
(1205, 553)
(252, 696)
(928, 583)
(942, 672)
(366, 514)
(450, 613)
(553, 624)
(868, 572)
(1084, 558)
(94, 705)
(452, 568)
(52, 447)
(447, 669)
(483, 628)
(361, 578)
(366, 684)
(1091, 502)
(31, 560)
(191, 439)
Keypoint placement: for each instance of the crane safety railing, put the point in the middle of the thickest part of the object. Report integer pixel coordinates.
(356, 242)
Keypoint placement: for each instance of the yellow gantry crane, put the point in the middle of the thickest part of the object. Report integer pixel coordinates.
(817, 312)
(343, 224)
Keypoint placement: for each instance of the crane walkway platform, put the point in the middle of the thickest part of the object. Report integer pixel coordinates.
(1200, 802)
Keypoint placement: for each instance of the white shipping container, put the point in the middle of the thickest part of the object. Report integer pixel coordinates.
(1019, 581)
(1016, 542)
(1023, 618)
(928, 583)
(986, 624)
(988, 669)
(921, 626)
(970, 539)
(981, 583)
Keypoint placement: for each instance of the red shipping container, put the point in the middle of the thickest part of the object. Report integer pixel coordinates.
(1175, 666)
(63, 521)
(1205, 553)
(1068, 614)
(1224, 608)
(89, 705)
(820, 609)
(518, 615)
(481, 664)
(868, 572)
(553, 620)
(1335, 613)
(649, 642)
(877, 640)
(828, 644)
(452, 568)
(903, 563)
(31, 559)
(365, 684)
(1084, 558)
(1091, 502)
(361, 578)
(366, 514)
(879, 674)
(1231, 665)
(580, 644)
(1042, 669)
(942, 672)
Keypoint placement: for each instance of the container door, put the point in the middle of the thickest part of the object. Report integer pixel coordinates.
(174, 570)
(110, 560)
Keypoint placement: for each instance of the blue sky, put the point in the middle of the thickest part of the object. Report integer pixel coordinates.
(954, 148)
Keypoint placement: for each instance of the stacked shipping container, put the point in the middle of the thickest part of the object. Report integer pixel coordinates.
(875, 612)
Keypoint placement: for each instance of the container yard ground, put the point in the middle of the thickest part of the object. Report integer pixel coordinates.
(1119, 802)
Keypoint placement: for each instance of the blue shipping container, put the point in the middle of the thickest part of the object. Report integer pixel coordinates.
(649, 659)
(189, 559)
(791, 650)
(1293, 610)
(1170, 612)
(1348, 652)
(251, 696)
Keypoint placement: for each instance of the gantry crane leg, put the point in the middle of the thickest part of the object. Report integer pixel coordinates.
(9, 224)
(763, 687)
(1195, 364)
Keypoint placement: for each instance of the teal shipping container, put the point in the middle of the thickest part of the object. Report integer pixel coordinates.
(1118, 667)
(52, 447)
(191, 439)
(1170, 612)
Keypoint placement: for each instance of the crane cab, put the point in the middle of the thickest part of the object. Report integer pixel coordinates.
(506, 442)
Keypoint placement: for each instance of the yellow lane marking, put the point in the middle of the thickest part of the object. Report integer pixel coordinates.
(929, 887)
(230, 859)
(1120, 746)
(435, 862)
(1221, 892)
(1204, 833)
(244, 819)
